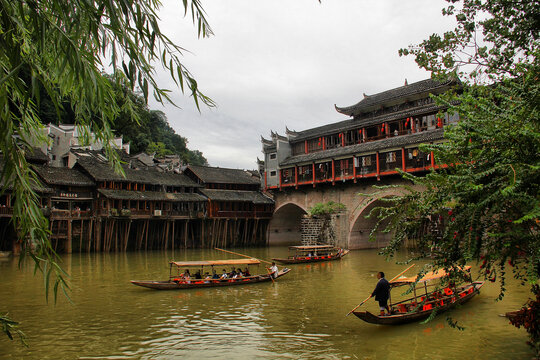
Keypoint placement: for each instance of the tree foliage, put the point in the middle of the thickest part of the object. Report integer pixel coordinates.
(60, 48)
(487, 196)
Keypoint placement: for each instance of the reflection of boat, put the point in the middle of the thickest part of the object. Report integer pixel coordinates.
(422, 306)
(5, 254)
(312, 253)
(178, 282)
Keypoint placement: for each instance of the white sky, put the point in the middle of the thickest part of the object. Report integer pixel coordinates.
(277, 63)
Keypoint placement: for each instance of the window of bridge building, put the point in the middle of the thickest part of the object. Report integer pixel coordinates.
(366, 164)
(323, 171)
(288, 175)
(450, 118)
(343, 167)
(332, 141)
(414, 159)
(299, 148)
(390, 160)
(353, 137)
(273, 156)
(397, 128)
(305, 173)
(373, 133)
(273, 173)
(315, 145)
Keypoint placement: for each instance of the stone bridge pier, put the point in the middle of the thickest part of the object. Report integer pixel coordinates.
(359, 199)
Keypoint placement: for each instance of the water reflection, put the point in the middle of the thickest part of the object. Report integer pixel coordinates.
(302, 315)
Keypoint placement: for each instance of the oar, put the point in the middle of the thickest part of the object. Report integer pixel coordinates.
(251, 257)
(369, 297)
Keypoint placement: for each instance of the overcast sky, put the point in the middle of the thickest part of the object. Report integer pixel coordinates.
(277, 63)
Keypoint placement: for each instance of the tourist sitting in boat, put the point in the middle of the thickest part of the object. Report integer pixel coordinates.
(382, 293)
(224, 275)
(186, 276)
(198, 274)
(214, 274)
(207, 278)
(232, 274)
(246, 272)
(309, 254)
(237, 274)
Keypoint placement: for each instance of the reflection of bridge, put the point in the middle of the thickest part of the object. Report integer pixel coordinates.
(293, 204)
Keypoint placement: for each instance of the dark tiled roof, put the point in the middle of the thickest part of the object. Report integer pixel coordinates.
(62, 176)
(37, 187)
(35, 155)
(392, 142)
(403, 93)
(237, 195)
(101, 171)
(151, 195)
(216, 175)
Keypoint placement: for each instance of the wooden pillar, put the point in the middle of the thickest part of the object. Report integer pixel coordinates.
(378, 167)
(265, 180)
(354, 167)
(306, 151)
(313, 174)
(403, 162)
(413, 127)
(69, 237)
(323, 143)
(279, 171)
(296, 177)
(333, 172)
(432, 160)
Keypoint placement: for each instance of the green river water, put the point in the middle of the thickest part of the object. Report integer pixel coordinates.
(301, 316)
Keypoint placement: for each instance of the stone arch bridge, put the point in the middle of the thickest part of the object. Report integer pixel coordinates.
(359, 198)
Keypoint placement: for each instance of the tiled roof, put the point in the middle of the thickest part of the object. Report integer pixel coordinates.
(62, 176)
(37, 187)
(102, 171)
(218, 175)
(237, 195)
(403, 93)
(151, 195)
(392, 142)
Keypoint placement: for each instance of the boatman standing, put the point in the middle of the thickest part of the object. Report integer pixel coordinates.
(382, 293)
(273, 270)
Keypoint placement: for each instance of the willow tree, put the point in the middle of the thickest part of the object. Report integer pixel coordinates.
(488, 195)
(60, 48)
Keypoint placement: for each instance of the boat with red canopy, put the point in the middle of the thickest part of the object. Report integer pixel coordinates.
(179, 281)
(422, 306)
(312, 253)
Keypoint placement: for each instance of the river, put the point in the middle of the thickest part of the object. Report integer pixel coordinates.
(301, 316)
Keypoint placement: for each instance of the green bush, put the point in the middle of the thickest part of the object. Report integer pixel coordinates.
(324, 209)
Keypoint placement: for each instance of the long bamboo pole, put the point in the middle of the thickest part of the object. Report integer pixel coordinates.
(246, 256)
(369, 297)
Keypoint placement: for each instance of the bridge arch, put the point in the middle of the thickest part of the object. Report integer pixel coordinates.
(284, 228)
(360, 226)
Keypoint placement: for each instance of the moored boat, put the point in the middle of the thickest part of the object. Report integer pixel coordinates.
(312, 253)
(422, 306)
(177, 281)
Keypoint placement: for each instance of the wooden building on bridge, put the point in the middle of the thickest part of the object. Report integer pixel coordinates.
(383, 134)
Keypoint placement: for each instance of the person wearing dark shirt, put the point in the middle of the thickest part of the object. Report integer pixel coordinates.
(382, 293)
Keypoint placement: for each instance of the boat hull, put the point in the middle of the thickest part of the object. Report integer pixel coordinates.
(303, 260)
(195, 284)
(403, 318)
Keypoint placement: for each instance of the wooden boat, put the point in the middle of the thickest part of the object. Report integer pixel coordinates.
(176, 281)
(422, 306)
(312, 253)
